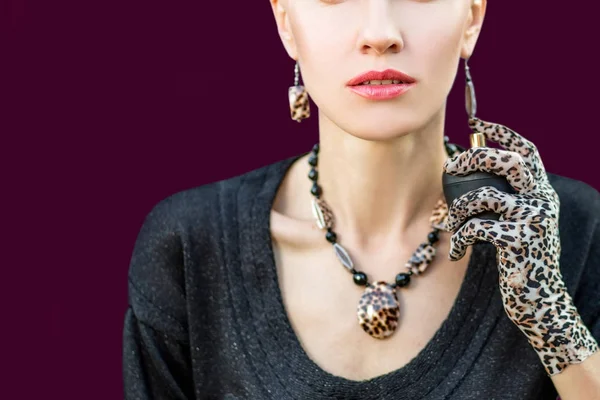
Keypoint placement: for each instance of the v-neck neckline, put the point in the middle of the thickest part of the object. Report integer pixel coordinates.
(304, 378)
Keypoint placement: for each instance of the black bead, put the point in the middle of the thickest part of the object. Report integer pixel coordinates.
(315, 148)
(331, 236)
(402, 279)
(360, 278)
(316, 189)
(313, 174)
(433, 237)
(312, 160)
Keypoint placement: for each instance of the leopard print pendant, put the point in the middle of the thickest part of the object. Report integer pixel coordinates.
(378, 310)
(299, 103)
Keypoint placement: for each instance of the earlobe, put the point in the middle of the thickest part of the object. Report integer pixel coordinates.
(283, 27)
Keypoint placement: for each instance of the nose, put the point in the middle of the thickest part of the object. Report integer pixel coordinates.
(379, 34)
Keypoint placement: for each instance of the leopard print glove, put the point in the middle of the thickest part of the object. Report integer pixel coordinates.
(527, 240)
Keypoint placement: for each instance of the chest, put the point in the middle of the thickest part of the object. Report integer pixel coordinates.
(321, 302)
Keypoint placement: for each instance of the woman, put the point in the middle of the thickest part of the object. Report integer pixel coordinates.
(341, 273)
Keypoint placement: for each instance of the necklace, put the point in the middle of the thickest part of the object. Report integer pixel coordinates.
(378, 308)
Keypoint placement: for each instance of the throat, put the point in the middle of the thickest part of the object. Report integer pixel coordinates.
(378, 196)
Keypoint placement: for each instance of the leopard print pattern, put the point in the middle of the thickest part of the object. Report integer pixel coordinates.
(421, 259)
(526, 236)
(423, 256)
(378, 310)
(439, 214)
(299, 103)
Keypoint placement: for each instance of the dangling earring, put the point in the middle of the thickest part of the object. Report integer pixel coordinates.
(477, 138)
(298, 98)
(471, 101)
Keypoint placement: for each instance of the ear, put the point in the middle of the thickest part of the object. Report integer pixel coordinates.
(473, 28)
(283, 26)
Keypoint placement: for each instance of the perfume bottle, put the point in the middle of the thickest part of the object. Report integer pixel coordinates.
(456, 186)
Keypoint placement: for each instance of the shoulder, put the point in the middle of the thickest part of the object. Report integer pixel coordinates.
(580, 202)
(200, 205)
(579, 212)
(182, 236)
(194, 219)
(198, 211)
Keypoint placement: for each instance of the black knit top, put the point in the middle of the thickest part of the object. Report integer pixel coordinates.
(206, 319)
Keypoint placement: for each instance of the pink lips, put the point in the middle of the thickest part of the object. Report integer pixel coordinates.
(381, 92)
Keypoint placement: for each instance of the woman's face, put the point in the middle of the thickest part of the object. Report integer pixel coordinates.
(336, 40)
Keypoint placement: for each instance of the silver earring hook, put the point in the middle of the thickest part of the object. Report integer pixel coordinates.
(296, 74)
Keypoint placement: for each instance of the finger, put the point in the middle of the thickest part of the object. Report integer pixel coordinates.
(495, 161)
(470, 233)
(502, 234)
(486, 198)
(511, 141)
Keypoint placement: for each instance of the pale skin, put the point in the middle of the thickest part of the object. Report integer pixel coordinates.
(379, 166)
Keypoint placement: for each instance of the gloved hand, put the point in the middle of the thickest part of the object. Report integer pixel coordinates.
(527, 240)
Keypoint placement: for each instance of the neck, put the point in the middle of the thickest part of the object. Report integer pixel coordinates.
(379, 191)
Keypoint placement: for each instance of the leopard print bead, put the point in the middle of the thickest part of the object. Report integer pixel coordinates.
(421, 259)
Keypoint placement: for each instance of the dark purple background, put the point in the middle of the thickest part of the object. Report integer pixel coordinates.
(113, 105)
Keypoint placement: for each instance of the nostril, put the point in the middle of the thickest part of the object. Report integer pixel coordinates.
(381, 44)
(395, 47)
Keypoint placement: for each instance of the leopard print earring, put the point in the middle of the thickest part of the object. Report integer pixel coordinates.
(298, 98)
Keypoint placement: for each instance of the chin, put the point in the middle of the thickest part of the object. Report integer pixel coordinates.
(380, 128)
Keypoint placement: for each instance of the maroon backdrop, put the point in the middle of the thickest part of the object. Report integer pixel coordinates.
(110, 106)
